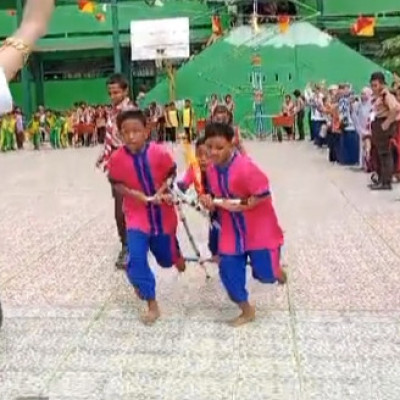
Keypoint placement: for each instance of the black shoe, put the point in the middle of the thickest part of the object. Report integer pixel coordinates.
(122, 258)
(381, 186)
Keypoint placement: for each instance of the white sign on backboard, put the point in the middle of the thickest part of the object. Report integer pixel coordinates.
(154, 39)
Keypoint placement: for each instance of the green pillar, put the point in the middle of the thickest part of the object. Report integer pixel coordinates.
(115, 33)
(39, 78)
(25, 81)
(320, 6)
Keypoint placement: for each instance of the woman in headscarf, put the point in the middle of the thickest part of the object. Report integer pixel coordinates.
(16, 48)
(361, 112)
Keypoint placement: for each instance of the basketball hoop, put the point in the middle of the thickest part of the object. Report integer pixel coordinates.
(163, 41)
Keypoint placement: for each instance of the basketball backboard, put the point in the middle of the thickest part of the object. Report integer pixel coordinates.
(157, 39)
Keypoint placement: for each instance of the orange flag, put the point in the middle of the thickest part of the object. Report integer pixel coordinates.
(100, 17)
(216, 25)
(283, 23)
(87, 6)
(364, 26)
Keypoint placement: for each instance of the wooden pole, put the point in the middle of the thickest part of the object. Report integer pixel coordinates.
(171, 74)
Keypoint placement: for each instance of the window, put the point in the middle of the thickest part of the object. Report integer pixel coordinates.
(143, 68)
(78, 68)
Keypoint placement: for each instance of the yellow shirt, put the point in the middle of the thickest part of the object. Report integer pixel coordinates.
(187, 117)
(173, 118)
(70, 124)
(34, 127)
(12, 124)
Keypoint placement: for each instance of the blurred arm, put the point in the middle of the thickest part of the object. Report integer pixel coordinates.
(34, 23)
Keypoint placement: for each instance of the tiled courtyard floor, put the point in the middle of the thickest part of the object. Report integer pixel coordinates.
(71, 328)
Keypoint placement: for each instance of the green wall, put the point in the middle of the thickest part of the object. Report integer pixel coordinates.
(63, 94)
(68, 19)
(360, 6)
(60, 95)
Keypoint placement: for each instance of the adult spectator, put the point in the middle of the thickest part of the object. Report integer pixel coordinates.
(383, 128)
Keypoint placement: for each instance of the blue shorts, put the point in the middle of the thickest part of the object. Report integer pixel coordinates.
(165, 249)
(213, 240)
(265, 266)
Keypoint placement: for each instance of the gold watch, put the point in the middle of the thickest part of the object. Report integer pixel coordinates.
(19, 45)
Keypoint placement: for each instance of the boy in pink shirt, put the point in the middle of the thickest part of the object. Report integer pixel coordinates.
(248, 231)
(223, 115)
(201, 187)
(139, 171)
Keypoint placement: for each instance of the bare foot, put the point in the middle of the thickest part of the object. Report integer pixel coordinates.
(151, 316)
(244, 318)
(215, 259)
(283, 278)
(180, 265)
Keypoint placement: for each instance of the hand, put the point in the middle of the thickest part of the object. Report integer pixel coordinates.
(385, 126)
(251, 202)
(140, 196)
(231, 207)
(167, 198)
(207, 202)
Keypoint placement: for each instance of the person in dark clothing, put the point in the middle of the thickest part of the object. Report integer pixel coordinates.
(383, 128)
(299, 108)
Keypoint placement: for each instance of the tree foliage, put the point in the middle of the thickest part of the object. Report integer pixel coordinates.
(390, 54)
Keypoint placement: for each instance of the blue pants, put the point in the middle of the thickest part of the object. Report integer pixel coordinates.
(265, 266)
(349, 148)
(213, 240)
(316, 129)
(165, 249)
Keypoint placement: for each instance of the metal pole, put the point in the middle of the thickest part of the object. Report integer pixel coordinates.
(25, 80)
(115, 33)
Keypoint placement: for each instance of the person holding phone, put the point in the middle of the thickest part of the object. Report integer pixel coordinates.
(15, 50)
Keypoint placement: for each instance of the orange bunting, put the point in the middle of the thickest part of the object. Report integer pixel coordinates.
(87, 6)
(283, 23)
(216, 25)
(100, 17)
(364, 26)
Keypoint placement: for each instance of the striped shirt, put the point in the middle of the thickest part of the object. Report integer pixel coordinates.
(113, 139)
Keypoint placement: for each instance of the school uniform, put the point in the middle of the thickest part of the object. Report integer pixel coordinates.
(150, 227)
(187, 180)
(253, 234)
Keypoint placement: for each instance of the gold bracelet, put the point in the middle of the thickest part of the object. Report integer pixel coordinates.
(19, 45)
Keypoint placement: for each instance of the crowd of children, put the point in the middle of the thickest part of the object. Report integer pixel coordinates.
(166, 122)
(82, 125)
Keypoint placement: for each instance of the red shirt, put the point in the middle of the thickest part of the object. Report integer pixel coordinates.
(145, 171)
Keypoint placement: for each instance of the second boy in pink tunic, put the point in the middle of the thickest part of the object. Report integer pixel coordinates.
(248, 231)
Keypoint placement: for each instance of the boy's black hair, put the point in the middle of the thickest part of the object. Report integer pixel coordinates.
(118, 79)
(130, 114)
(220, 108)
(200, 141)
(378, 76)
(216, 129)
